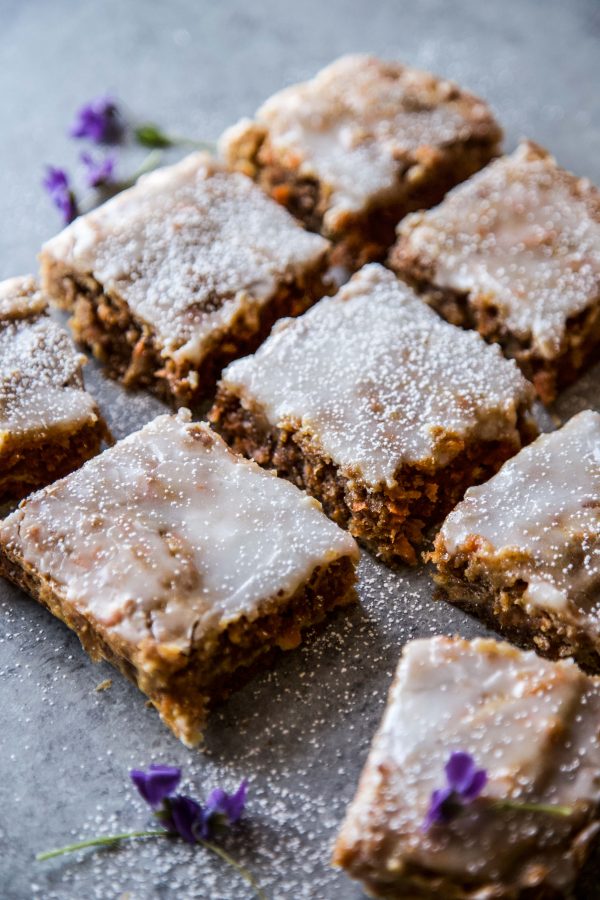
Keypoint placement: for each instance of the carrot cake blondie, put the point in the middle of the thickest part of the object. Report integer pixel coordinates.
(179, 562)
(522, 551)
(515, 253)
(175, 277)
(378, 408)
(361, 144)
(483, 780)
(49, 424)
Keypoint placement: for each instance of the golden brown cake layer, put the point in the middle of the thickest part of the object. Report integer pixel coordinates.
(49, 424)
(522, 551)
(179, 562)
(180, 274)
(532, 726)
(515, 253)
(361, 144)
(378, 408)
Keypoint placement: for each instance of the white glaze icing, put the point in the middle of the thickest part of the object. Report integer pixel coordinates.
(377, 380)
(522, 234)
(539, 518)
(41, 385)
(360, 123)
(530, 723)
(168, 536)
(189, 248)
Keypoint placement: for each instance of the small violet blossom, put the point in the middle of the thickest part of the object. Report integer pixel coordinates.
(228, 807)
(99, 173)
(465, 783)
(157, 783)
(99, 121)
(178, 814)
(183, 815)
(56, 182)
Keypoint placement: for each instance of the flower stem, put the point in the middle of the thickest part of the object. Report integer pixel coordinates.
(129, 835)
(180, 141)
(106, 191)
(149, 162)
(551, 808)
(244, 873)
(100, 842)
(148, 134)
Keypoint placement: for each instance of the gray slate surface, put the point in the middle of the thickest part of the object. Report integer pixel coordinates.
(300, 733)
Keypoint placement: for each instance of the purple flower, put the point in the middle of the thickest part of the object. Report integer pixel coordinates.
(465, 782)
(99, 121)
(185, 817)
(227, 806)
(56, 183)
(100, 172)
(55, 180)
(157, 783)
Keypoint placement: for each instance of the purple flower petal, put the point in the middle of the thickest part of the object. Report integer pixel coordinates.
(100, 172)
(67, 204)
(464, 783)
(99, 121)
(437, 804)
(230, 806)
(463, 776)
(55, 179)
(476, 785)
(157, 783)
(56, 183)
(187, 818)
(459, 770)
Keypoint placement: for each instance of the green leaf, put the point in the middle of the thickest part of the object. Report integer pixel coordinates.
(150, 135)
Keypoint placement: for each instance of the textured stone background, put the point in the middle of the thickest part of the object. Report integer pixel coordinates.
(301, 732)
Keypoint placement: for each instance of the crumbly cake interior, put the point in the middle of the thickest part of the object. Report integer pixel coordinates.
(391, 521)
(365, 131)
(378, 380)
(32, 462)
(532, 567)
(166, 543)
(194, 254)
(133, 354)
(48, 422)
(40, 374)
(378, 407)
(531, 724)
(515, 253)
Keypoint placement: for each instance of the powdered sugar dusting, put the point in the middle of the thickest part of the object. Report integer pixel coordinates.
(522, 235)
(531, 724)
(377, 379)
(41, 384)
(360, 123)
(317, 709)
(551, 538)
(188, 248)
(168, 537)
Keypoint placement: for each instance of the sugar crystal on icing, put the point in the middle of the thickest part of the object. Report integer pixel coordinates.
(523, 235)
(41, 386)
(361, 122)
(168, 536)
(550, 537)
(530, 723)
(188, 248)
(377, 379)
